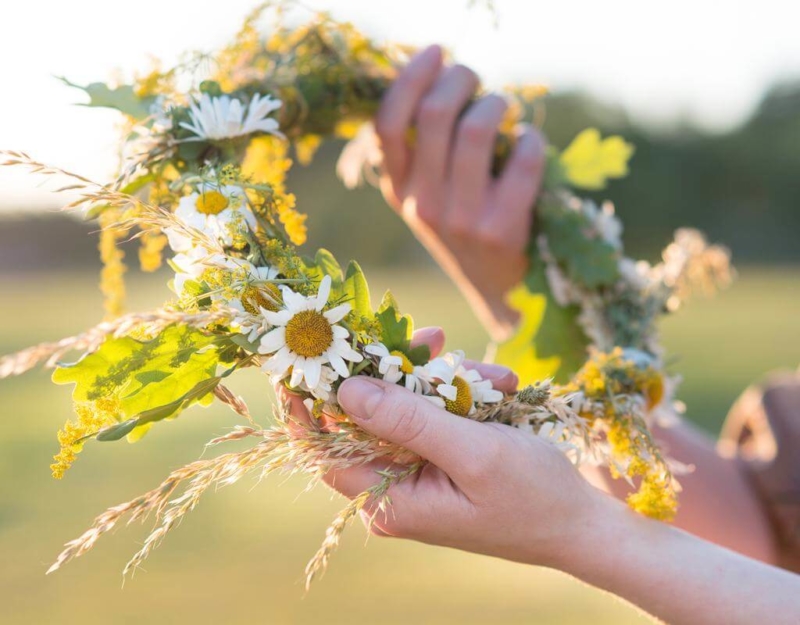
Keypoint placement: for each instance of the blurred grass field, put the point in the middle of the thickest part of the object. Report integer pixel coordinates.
(239, 557)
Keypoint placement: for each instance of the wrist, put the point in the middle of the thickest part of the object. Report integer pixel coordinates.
(593, 535)
(499, 319)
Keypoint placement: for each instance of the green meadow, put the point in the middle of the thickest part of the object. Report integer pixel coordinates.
(239, 557)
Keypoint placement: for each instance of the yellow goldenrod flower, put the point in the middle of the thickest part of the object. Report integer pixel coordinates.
(152, 245)
(294, 223)
(589, 161)
(306, 146)
(92, 416)
(112, 284)
(266, 162)
(656, 498)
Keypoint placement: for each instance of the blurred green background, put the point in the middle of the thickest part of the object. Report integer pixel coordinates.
(239, 557)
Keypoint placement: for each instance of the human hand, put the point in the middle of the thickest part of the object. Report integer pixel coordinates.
(488, 488)
(475, 226)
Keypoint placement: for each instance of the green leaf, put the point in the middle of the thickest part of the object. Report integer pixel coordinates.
(419, 355)
(116, 432)
(122, 98)
(199, 393)
(356, 290)
(396, 329)
(196, 393)
(554, 175)
(329, 265)
(161, 374)
(388, 301)
(586, 257)
(548, 341)
(325, 264)
(242, 341)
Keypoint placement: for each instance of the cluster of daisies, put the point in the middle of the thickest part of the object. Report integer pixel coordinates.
(302, 340)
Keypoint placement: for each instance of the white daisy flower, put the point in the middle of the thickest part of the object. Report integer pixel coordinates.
(191, 264)
(224, 117)
(305, 338)
(221, 212)
(188, 266)
(248, 289)
(394, 365)
(322, 390)
(459, 388)
(256, 295)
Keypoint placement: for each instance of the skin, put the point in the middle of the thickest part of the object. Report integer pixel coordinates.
(477, 229)
(496, 490)
(499, 491)
(470, 223)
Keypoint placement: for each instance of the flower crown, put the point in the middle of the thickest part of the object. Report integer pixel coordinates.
(204, 179)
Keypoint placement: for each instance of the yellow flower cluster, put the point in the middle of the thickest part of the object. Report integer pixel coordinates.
(294, 222)
(92, 416)
(266, 162)
(112, 284)
(656, 497)
(155, 82)
(609, 375)
(150, 251)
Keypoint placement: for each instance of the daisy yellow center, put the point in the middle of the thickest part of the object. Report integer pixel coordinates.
(462, 404)
(267, 296)
(406, 366)
(309, 334)
(211, 203)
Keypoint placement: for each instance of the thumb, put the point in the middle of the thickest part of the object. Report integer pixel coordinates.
(397, 415)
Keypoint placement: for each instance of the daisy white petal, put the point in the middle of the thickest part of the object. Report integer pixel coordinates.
(312, 372)
(340, 332)
(273, 340)
(448, 391)
(323, 293)
(298, 372)
(280, 318)
(338, 364)
(338, 313)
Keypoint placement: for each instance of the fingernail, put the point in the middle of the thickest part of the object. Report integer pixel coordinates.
(360, 397)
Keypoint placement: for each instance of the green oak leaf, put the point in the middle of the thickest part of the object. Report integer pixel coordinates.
(325, 264)
(586, 257)
(548, 341)
(158, 374)
(356, 290)
(328, 264)
(122, 98)
(397, 330)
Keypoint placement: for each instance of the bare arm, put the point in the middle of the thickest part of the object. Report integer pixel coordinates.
(679, 578)
(476, 228)
(495, 490)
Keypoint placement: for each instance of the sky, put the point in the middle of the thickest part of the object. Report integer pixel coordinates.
(704, 61)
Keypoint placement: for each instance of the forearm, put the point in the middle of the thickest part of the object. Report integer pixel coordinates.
(714, 493)
(676, 577)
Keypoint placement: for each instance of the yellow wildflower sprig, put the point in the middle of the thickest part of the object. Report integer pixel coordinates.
(91, 417)
(620, 391)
